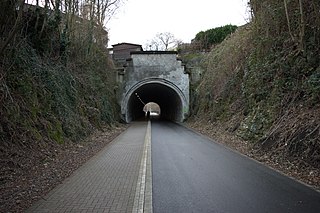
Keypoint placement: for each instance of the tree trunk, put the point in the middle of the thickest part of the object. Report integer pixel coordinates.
(15, 28)
(302, 28)
(288, 20)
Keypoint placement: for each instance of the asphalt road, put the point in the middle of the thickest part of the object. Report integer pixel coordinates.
(194, 174)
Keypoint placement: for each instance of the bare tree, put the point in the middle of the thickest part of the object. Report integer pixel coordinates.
(69, 17)
(101, 11)
(106, 9)
(163, 41)
(166, 39)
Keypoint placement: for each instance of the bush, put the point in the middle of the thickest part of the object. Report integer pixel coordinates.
(214, 36)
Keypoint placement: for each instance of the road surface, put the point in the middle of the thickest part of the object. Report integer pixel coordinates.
(193, 174)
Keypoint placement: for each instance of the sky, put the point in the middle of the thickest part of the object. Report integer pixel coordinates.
(138, 21)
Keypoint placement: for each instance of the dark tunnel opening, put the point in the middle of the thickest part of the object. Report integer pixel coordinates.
(167, 98)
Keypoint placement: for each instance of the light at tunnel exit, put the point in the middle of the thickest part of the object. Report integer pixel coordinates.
(151, 109)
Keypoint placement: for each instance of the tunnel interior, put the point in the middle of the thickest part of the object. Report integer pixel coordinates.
(167, 98)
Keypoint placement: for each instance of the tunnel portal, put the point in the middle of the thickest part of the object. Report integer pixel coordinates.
(154, 76)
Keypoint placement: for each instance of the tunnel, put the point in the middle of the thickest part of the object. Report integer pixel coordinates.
(169, 98)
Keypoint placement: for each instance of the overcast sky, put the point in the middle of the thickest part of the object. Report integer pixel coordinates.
(138, 21)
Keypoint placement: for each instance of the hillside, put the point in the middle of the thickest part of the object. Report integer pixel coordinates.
(261, 86)
(56, 88)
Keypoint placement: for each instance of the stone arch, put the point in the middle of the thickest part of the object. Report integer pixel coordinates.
(172, 101)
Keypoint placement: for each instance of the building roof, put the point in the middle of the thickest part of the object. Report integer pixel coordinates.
(138, 45)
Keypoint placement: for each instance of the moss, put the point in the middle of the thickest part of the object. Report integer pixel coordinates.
(47, 99)
(55, 132)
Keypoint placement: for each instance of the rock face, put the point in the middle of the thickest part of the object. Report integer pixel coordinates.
(154, 76)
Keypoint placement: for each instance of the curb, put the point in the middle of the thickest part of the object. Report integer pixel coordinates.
(143, 196)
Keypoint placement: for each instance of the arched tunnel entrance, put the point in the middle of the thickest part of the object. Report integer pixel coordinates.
(169, 99)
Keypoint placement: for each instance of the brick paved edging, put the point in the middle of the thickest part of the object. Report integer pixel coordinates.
(143, 197)
(107, 182)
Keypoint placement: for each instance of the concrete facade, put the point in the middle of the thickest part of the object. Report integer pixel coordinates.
(155, 76)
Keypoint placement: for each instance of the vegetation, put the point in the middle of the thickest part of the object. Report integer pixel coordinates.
(56, 81)
(56, 87)
(213, 36)
(263, 81)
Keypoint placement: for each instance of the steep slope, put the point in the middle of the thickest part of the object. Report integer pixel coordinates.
(56, 88)
(262, 84)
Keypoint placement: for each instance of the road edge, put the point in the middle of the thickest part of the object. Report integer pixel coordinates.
(251, 158)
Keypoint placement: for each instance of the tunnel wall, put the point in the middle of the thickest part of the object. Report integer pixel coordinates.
(155, 67)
